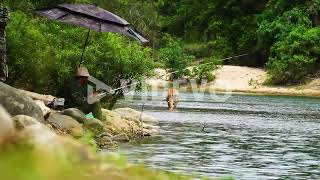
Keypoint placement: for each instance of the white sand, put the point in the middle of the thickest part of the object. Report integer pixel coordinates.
(242, 79)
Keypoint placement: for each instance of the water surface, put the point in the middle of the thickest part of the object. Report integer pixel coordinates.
(246, 137)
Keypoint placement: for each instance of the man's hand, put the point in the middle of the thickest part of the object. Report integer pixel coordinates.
(96, 94)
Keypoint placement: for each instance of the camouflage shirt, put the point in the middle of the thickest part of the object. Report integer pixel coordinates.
(78, 94)
(4, 15)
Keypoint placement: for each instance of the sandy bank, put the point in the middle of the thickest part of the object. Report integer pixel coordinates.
(239, 79)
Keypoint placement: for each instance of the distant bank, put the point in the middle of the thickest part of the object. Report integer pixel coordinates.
(240, 79)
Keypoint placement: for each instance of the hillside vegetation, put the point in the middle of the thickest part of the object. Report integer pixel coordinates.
(282, 36)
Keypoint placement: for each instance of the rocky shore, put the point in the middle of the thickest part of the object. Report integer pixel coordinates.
(39, 143)
(120, 125)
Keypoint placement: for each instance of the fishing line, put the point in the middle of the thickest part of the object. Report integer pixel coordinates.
(175, 72)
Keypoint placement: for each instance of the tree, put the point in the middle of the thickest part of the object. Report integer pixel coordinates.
(174, 58)
(44, 54)
(290, 33)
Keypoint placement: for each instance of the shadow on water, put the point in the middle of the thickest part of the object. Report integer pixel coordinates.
(248, 137)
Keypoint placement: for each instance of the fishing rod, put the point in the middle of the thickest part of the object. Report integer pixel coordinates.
(125, 86)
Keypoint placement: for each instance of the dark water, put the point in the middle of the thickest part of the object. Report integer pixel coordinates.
(246, 137)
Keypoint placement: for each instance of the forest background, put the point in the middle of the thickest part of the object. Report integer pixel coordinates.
(281, 36)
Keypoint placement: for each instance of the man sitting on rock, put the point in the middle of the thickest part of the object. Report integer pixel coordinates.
(78, 94)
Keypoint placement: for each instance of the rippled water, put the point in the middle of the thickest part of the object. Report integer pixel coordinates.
(247, 137)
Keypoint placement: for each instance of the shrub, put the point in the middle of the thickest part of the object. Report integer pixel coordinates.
(44, 54)
(294, 57)
(206, 69)
(175, 59)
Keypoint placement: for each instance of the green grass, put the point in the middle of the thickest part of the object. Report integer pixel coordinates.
(24, 162)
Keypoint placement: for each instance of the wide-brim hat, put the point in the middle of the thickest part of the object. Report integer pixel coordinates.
(82, 72)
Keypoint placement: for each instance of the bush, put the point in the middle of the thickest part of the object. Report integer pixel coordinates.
(294, 44)
(44, 54)
(175, 59)
(294, 57)
(205, 71)
(199, 50)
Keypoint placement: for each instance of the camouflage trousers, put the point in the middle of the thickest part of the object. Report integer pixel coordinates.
(3, 57)
(95, 109)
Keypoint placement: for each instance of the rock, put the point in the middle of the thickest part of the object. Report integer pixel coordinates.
(118, 124)
(131, 114)
(149, 119)
(105, 141)
(110, 129)
(121, 138)
(94, 125)
(149, 127)
(42, 97)
(6, 125)
(105, 134)
(45, 110)
(22, 121)
(134, 127)
(109, 113)
(46, 141)
(75, 114)
(114, 120)
(66, 123)
(128, 113)
(146, 133)
(17, 103)
(128, 120)
(152, 130)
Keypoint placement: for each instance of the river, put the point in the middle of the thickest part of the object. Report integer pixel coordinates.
(246, 137)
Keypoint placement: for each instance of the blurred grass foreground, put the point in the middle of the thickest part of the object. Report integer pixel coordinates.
(29, 150)
(22, 161)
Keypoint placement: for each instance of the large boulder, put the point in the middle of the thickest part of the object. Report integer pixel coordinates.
(114, 122)
(6, 125)
(105, 142)
(45, 110)
(133, 115)
(130, 121)
(94, 125)
(66, 124)
(46, 141)
(18, 103)
(75, 114)
(121, 138)
(22, 121)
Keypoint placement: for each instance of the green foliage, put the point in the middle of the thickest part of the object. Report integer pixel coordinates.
(199, 50)
(44, 54)
(25, 162)
(223, 27)
(88, 139)
(293, 40)
(175, 59)
(205, 70)
(295, 57)
(280, 35)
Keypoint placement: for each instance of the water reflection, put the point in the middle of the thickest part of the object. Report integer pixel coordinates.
(248, 137)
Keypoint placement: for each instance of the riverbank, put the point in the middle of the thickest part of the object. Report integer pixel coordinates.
(31, 150)
(239, 80)
(39, 143)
